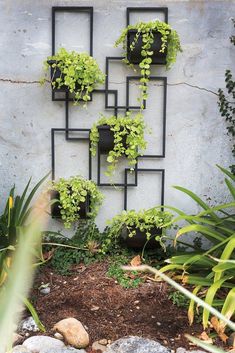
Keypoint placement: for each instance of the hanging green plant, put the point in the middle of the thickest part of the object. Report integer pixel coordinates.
(138, 228)
(75, 198)
(118, 136)
(147, 43)
(77, 73)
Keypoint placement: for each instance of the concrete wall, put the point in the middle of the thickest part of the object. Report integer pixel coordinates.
(196, 134)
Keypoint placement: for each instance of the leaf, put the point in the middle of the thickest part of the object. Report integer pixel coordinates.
(204, 336)
(219, 328)
(136, 261)
(208, 347)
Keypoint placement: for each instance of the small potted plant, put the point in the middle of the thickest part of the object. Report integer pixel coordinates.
(74, 198)
(77, 73)
(147, 43)
(138, 230)
(118, 136)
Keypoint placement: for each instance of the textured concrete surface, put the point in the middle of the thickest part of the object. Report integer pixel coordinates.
(196, 134)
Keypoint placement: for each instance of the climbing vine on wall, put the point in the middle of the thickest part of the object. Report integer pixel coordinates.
(227, 103)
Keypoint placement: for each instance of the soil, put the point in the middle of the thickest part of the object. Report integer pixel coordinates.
(108, 310)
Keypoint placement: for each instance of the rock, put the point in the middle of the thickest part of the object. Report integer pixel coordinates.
(136, 344)
(58, 336)
(231, 340)
(17, 339)
(97, 346)
(28, 325)
(38, 344)
(73, 332)
(64, 350)
(103, 341)
(45, 290)
(20, 349)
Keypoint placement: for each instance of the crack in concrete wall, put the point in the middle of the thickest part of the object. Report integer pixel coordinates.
(9, 80)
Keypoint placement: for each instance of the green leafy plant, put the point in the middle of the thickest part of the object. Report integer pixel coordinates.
(178, 299)
(14, 222)
(115, 271)
(170, 43)
(128, 139)
(227, 104)
(83, 247)
(223, 322)
(210, 271)
(73, 192)
(20, 275)
(144, 220)
(79, 72)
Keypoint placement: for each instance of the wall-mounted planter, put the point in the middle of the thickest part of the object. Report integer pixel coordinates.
(138, 241)
(134, 56)
(55, 207)
(56, 73)
(106, 139)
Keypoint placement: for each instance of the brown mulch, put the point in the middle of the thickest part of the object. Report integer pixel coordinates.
(110, 311)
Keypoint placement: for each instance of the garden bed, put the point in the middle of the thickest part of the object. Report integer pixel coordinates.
(110, 311)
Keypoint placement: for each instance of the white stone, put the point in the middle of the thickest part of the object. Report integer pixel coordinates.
(38, 344)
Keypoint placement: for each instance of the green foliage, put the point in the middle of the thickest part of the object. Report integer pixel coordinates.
(83, 247)
(14, 223)
(74, 191)
(144, 220)
(170, 42)
(128, 139)
(211, 271)
(227, 104)
(79, 72)
(178, 299)
(115, 271)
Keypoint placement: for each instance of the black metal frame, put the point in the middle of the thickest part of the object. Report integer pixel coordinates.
(78, 9)
(115, 107)
(162, 171)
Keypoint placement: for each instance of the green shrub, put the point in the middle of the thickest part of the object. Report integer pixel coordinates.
(211, 271)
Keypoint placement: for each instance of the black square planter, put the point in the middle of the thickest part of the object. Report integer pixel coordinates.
(106, 139)
(134, 56)
(55, 209)
(56, 73)
(138, 240)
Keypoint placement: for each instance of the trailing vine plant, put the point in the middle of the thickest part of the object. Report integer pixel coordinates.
(79, 72)
(170, 43)
(143, 220)
(227, 104)
(74, 191)
(128, 139)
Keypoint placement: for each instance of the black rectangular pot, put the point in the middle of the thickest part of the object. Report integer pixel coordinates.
(106, 139)
(139, 239)
(134, 56)
(56, 73)
(55, 209)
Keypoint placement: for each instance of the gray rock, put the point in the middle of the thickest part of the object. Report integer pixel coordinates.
(28, 325)
(39, 344)
(64, 350)
(136, 344)
(20, 349)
